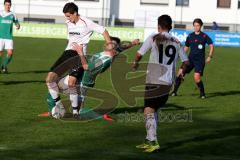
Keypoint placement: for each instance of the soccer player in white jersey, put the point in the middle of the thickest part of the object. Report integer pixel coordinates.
(165, 51)
(7, 18)
(79, 31)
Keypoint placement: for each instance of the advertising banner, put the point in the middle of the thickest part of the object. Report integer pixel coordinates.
(60, 31)
(224, 39)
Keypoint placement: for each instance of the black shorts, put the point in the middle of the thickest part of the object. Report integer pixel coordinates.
(77, 72)
(198, 66)
(156, 96)
(68, 61)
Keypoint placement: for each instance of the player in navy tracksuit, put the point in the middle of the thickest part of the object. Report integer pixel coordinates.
(196, 41)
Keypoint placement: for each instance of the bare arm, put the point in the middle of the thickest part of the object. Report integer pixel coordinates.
(84, 62)
(17, 26)
(211, 50)
(147, 44)
(210, 53)
(138, 58)
(127, 44)
(186, 49)
(106, 36)
(79, 49)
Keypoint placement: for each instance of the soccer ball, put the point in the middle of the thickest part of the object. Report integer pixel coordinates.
(58, 112)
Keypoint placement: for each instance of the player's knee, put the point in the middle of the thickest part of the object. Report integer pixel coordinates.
(197, 78)
(179, 73)
(71, 84)
(51, 77)
(148, 110)
(10, 52)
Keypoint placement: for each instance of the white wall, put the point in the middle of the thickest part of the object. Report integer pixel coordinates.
(51, 8)
(208, 11)
(205, 9)
(126, 9)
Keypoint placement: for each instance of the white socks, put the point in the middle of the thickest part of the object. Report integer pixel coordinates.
(53, 89)
(151, 127)
(73, 96)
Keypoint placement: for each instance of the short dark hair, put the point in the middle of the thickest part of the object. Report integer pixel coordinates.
(7, 1)
(165, 22)
(198, 20)
(116, 39)
(70, 8)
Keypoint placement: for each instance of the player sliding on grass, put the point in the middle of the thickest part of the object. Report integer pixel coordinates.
(79, 31)
(98, 63)
(165, 51)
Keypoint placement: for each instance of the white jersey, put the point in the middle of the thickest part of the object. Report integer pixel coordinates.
(162, 62)
(81, 32)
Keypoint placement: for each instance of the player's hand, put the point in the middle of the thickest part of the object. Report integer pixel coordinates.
(208, 60)
(78, 48)
(136, 42)
(176, 40)
(18, 27)
(135, 65)
(85, 66)
(180, 73)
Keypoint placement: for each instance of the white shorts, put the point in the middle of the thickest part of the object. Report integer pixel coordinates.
(6, 44)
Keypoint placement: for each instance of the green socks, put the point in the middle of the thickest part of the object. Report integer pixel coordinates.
(0, 61)
(6, 61)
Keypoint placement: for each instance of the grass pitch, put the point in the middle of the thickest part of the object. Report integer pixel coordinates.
(211, 130)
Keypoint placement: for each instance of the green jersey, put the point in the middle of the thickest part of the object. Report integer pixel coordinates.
(6, 24)
(98, 63)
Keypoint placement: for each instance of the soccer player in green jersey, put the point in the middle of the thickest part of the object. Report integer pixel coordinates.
(99, 62)
(7, 18)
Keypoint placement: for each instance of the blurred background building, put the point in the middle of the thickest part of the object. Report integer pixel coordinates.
(135, 13)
